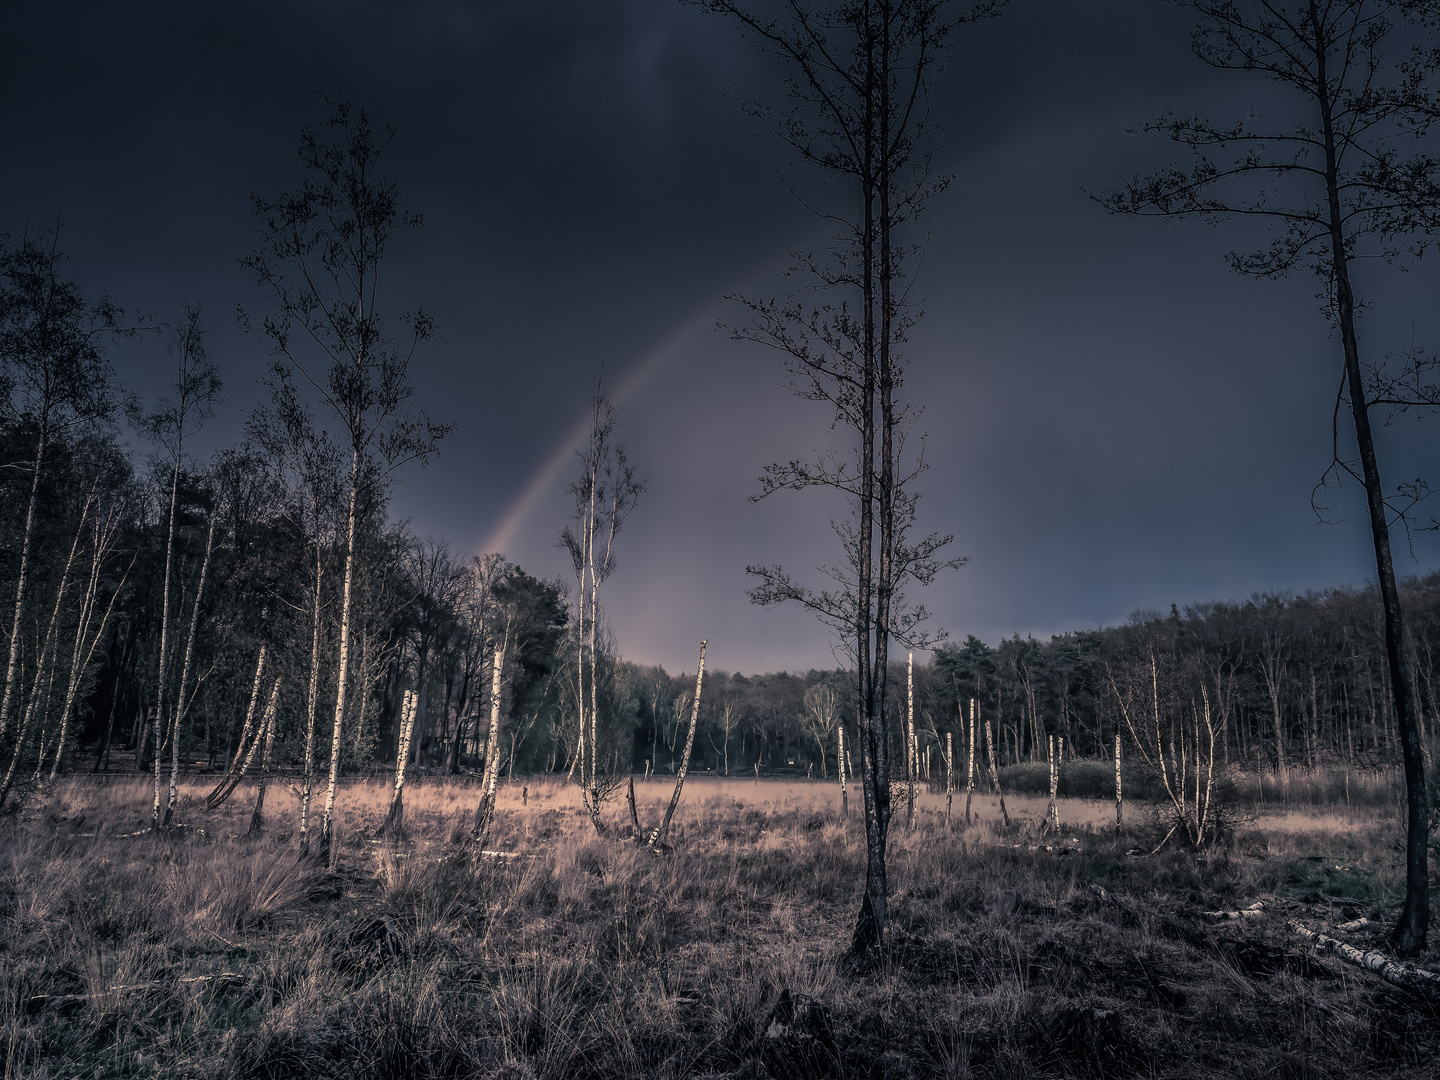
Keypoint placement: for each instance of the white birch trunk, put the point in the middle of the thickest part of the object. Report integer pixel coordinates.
(233, 782)
(257, 816)
(327, 826)
(664, 825)
(410, 704)
(1119, 795)
(182, 706)
(307, 787)
(911, 765)
(970, 768)
(225, 785)
(1052, 812)
(164, 639)
(995, 774)
(1392, 971)
(21, 579)
(46, 653)
(78, 665)
(839, 767)
(949, 776)
(485, 811)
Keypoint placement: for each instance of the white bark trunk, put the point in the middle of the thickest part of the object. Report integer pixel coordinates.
(485, 811)
(410, 704)
(1392, 971)
(970, 768)
(911, 765)
(164, 639)
(182, 706)
(46, 653)
(78, 665)
(21, 579)
(1119, 795)
(311, 700)
(664, 825)
(327, 826)
(225, 785)
(995, 773)
(234, 781)
(257, 816)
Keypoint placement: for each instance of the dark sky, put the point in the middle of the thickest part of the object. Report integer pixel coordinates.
(1115, 421)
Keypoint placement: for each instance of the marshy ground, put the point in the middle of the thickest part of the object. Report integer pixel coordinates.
(206, 954)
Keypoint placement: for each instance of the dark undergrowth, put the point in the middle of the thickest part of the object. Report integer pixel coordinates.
(210, 955)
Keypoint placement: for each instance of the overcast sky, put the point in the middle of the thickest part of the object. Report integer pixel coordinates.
(1114, 420)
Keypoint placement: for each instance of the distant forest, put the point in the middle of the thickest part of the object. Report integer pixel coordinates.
(1289, 680)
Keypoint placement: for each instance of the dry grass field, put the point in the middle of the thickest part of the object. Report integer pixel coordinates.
(205, 954)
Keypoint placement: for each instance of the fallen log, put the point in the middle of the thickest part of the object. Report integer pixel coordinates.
(1257, 908)
(1392, 971)
(1353, 925)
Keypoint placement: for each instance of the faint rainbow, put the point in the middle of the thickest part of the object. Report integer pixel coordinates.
(549, 471)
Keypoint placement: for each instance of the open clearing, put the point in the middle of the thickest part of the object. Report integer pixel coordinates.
(204, 954)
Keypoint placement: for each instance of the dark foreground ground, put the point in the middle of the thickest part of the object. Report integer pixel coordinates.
(215, 956)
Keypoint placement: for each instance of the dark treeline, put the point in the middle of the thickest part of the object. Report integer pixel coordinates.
(1290, 681)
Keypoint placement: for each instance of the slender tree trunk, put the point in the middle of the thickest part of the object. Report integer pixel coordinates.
(1410, 933)
(257, 816)
(307, 784)
(409, 706)
(911, 764)
(1052, 811)
(182, 706)
(164, 639)
(949, 776)
(970, 767)
(78, 665)
(22, 578)
(227, 782)
(45, 658)
(327, 825)
(1119, 796)
(839, 767)
(664, 826)
(995, 774)
(485, 811)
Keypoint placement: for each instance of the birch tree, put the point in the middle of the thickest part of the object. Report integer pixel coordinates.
(822, 717)
(195, 391)
(57, 376)
(858, 73)
(321, 251)
(1343, 181)
(605, 494)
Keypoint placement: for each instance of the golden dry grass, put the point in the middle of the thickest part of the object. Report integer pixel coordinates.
(216, 956)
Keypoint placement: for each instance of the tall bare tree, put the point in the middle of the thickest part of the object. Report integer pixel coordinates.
(320, 255)
(1343, 181)
(858, 74)
(605, 494)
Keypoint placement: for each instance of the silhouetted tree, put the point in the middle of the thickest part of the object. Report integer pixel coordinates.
(1334, 185)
